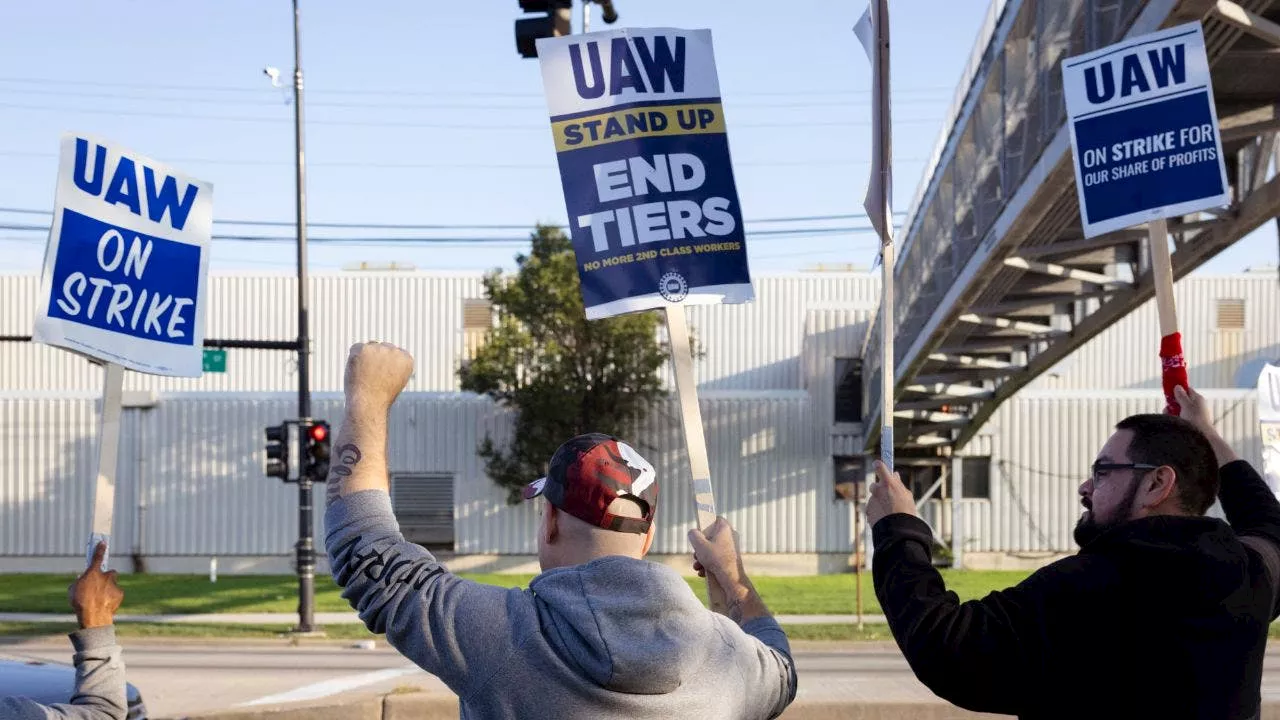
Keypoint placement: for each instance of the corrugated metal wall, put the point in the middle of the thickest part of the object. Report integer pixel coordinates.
(1041, 445)
(191, 479)
(47, 464)
(754, 346)
(1126, 355)
(830, 333)
(191, 482)
(423, 313)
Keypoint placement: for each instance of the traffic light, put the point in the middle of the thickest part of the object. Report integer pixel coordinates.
(277, 452)
(317, 457)
(554, 22)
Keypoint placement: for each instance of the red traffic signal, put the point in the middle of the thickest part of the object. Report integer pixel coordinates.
(317, 451)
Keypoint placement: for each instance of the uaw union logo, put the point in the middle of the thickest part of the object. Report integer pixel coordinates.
(672, 287)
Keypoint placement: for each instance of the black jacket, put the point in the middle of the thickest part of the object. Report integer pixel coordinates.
(1164, 617)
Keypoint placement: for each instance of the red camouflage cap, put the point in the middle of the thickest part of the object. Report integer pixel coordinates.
(591, 471)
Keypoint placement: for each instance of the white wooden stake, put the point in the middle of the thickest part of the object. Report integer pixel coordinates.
(104, 493)
(887, 331)
(691, 416)
(1162, 273)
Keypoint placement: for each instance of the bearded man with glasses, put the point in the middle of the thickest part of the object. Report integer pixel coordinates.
(1163, 613)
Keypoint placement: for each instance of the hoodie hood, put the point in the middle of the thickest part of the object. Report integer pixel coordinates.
(1198, 559)
(629, 625)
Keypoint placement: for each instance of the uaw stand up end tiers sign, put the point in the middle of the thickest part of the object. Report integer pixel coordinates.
(124, 279)
(648, 184)
(1146, 147)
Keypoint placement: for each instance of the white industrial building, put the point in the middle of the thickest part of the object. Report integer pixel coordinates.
(780, 395)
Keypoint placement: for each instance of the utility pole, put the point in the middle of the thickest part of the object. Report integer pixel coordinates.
(306, 559)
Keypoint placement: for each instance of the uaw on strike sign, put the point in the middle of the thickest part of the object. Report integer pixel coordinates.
(125, 269)
(1144, 130)
(644, 162)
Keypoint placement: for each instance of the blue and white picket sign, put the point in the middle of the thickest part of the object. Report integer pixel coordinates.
(125, 269)
(1144, 130)
(644, 161)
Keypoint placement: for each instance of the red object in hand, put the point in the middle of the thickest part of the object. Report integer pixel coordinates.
(1175, 370)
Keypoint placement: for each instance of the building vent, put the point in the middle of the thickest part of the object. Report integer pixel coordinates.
(423, 505)
(1230, 313)
(477, 321)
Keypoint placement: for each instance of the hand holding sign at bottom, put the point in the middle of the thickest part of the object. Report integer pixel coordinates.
(95, 596)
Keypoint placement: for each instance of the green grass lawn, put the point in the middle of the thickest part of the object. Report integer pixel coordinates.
(185, 594)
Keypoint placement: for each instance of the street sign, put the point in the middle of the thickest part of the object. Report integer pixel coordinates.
(1144, 130)
(215, 360)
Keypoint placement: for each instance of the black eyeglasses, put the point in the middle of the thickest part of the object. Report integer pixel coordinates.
(1107, 467)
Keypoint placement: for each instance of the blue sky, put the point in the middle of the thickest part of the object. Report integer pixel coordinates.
(423, 113)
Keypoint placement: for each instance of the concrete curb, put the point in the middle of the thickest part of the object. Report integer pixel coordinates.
(440, 706)
(367, 707)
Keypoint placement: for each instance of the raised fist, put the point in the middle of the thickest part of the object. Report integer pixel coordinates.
(376, 374)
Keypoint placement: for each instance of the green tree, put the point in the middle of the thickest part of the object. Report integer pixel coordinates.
(561, 374)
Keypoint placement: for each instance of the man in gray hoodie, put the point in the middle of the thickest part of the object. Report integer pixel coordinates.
(601, 633)
(100, 682)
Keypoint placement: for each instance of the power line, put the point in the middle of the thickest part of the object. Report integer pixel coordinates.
(405, 226)
(825, 92)
(420, 125)
(267, 101)
(779, 234)
(458, 166)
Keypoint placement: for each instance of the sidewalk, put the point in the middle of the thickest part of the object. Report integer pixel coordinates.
(347, 618)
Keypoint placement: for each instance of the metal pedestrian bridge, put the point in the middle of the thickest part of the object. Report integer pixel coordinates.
(995, 283)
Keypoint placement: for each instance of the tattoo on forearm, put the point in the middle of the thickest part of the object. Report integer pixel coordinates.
(348, 456)
(735, 612)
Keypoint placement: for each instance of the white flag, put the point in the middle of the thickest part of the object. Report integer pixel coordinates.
(873, 32)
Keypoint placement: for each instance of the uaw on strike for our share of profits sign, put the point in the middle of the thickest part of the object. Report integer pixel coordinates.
(1144, 130)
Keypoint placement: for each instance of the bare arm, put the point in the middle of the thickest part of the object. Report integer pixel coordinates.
(361, 454)
(765, 661)
(1223, 451)
(376, 374)
(1196, 411)
(455, 629)
(729, 590)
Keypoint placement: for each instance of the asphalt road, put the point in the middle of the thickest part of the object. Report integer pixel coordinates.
(178, 677)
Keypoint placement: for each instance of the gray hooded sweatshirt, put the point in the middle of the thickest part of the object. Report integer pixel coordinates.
(613, 638)
(100, 684)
